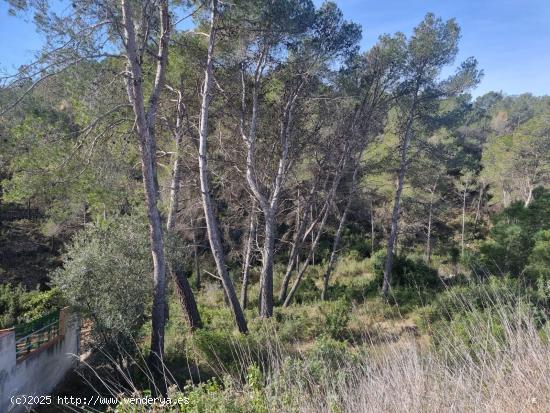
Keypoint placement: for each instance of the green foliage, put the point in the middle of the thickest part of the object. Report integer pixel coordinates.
(106, 275)
(216, 348)
(462, 334)
(407, 272)
(515, 163)
(514, 234)
(351, 291)
(538, 269)
(493, 293)
(20, 306)
(307, 291)
(298, 323)
(255, 384)
(539, 258)
(210, 396)
(337, 315)
(356, 242)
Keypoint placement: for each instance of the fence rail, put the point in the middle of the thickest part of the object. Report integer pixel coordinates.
(32, 335)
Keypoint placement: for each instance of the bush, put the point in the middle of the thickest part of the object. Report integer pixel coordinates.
(356, 242)
(307, 291)
(515, 233)
(20, 306)
(406, 272)
(495, 292)
(539, 259)
(106, 276)
(355, 291)
(337, 315)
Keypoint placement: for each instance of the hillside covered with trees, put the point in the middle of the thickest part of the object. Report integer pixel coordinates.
(248, 210)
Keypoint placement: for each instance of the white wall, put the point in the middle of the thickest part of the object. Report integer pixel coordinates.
(37, 373)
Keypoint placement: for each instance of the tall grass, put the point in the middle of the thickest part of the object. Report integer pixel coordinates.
(483, 370)
(493, 358)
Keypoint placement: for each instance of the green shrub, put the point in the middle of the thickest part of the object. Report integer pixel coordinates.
(297, 323)
(539, 258)
(406, 272)
(307, 291)
(19, 306)
(354, 291)
(106, 276)
(214, 348)
(495, 292)
(476, 333)
(514, 234)
(337, 315)
(356, 242)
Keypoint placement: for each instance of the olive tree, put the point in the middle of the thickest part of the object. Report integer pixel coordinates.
(106, 276)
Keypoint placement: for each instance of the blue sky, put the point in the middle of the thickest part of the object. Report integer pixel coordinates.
(510, 38)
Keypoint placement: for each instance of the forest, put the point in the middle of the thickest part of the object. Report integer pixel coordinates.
(248, 210)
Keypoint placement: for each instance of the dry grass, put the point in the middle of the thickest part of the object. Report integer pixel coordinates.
(497, 360)
(504, 372)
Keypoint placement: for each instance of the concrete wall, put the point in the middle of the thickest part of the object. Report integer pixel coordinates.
(37, 373)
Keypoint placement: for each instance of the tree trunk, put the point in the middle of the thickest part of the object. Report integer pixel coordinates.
(338, 236)
(529, 197)
(301, 224)
(463, 222)
(315, 241)
(185, 294)
(478, 207)
(372, 246)
(248, 254)
(175, 183)
(305, 265)
(429, 236)
(269, 205)
(397, 200)
(187, 299)
(196, 258)
(430, 219)
(211, 221)
(266, 277)
(145, 126)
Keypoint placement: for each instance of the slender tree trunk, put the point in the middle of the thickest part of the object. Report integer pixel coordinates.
(266, 277)
(302, 233)
(338, 236)
(315, 241)
(185, 294)
(372, 246)
(393, 232)
(269, 205)
(145, 120)
(248, 254)
(478, 207)
(175, 183)
(397, 200)
(196, 258)
(429, 236)
(463, 222)
(529, 196)
(306, 262)
(301, 224)
(211, 221)
(430, 219)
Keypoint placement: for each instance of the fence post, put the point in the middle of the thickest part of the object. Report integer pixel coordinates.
(63, 314)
